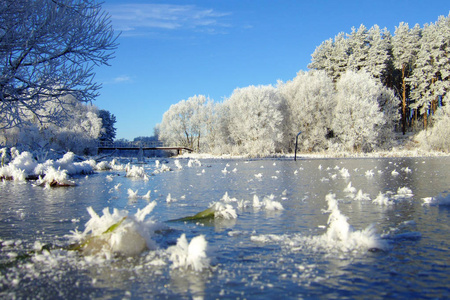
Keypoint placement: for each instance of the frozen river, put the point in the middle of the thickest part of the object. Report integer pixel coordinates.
(320, 245)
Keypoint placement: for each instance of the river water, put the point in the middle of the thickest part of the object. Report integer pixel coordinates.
(262, 253)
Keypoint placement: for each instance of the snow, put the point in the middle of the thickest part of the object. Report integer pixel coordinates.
(24, 166)
(191, 255)
(340, 236)
(442, 199)
(136, 172)
(116, 233)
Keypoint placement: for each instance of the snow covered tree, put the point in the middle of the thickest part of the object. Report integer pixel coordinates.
(48, 49)
(332, 56)
(78, 133)
(184, 124)
(256, 120)
(431, 76)
(310, 102)
(369, 51)
(108, 133)
(380, 58)
(358, 49)
(405, 46)
(364, 112)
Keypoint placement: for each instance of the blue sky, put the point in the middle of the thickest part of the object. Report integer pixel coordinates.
(172, 50)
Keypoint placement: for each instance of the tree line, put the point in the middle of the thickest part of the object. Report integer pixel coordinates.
(362, 90)
(414, 62)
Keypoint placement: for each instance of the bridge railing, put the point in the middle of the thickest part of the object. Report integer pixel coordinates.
(133, 144)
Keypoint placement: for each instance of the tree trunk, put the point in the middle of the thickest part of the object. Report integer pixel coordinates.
(425, 119)
(403, 99)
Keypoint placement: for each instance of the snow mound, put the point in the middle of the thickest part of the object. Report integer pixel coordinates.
(189, 256)
(268, 203)
(136, 172)
(223, 211)
(161, 168)
(24, 166)
(194, 163)
(55, 177)
(389, 198)
(116, 233)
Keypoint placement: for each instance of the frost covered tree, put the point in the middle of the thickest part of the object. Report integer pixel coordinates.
(77, 133)
(431, 76)
(358, 49)
(256, 120)
(310, 101)
(369, 51)
(220, 136)
(405, 46)
(332, 56)
(185, 123)
(48, 50)
(380, 58)
(364, 114)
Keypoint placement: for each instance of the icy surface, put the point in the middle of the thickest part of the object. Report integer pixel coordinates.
(315, 228)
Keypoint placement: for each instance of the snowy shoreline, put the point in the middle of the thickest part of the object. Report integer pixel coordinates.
(324, 154)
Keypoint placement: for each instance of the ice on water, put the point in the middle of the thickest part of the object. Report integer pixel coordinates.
(339, 237)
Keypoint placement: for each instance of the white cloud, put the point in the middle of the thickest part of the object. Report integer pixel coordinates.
(122, 78)
(143, 19)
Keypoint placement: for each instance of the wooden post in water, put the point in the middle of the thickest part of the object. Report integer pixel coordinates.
(296, 143)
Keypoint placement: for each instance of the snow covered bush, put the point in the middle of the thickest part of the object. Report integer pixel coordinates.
(438, 137)
(310, 102)
(364, 114)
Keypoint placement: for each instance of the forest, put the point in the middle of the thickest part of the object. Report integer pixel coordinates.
(365, 91)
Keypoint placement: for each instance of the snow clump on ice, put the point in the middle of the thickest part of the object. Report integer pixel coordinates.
(339, 237)
(136, 172)
(117, 233)
(439, 200)
(191, 255)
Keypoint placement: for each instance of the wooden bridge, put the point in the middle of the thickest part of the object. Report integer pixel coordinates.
(156, 145)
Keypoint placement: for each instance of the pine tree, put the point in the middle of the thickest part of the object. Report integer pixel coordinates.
(405, 45)
(331, 56)
(108, 133)
(430, 79)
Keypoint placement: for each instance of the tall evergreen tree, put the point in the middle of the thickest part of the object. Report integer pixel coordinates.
(431, 77)
(108, 133)
(405, 45)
